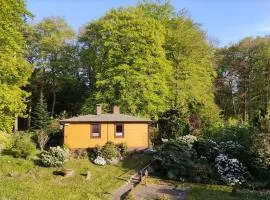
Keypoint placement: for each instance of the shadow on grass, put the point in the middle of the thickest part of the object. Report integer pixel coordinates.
(58, 173)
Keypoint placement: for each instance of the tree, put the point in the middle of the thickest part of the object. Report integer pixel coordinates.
(47, 43)
(244, 80)
(126, 58)
(14, 69)
(41, 118)
(193, 72)
(172, 124)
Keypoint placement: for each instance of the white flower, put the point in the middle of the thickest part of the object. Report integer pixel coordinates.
(231, 170)
(100, 161)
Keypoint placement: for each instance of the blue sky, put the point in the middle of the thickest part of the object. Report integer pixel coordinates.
(224, 20)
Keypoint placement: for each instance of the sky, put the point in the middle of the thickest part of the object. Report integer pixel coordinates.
(225, 21)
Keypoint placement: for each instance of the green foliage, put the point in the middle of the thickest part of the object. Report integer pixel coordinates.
(208, 148)
(22, 146)
(122, 149)
(243, 82)
(109, 151)
(238, 133)
(54, 157)
(41, 118)
(193, 73)
(94, 152)
(124, 50)
(54, 58)
(174, 160)
(14, 70)
(5, 141)
(173, 124)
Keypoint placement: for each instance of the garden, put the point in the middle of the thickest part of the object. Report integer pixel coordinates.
(29, 173)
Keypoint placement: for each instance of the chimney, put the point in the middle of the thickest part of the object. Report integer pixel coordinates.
(99, 109)
(116, 110)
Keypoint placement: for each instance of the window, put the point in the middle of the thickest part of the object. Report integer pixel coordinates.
(95, 131)
(119, 130)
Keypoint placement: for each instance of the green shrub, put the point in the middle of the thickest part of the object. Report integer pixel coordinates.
(109, 151)
(173, 124)
(122, 149)
(206, 147)
(239, 134)
(5, 141)
(174, 160)
(22, 146)
(93, 153)
(55, 157)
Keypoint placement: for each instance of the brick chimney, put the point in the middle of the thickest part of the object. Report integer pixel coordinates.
(116, 110)
(99, 109)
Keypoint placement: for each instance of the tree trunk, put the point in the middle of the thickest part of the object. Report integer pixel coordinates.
(53, 103)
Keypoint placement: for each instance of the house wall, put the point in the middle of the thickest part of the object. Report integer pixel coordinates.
(78, 135)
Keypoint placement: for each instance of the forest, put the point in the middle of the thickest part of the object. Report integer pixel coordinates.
(151, 60)
(147, 59)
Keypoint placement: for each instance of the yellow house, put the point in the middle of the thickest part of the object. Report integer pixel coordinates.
(91, 130)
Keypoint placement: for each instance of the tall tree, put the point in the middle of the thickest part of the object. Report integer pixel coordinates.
(193, 71)
(126, 57)
(244, 73)
(14, 69)
(41, 118)
(47, 42)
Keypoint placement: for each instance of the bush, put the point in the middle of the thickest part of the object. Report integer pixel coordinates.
(109, 151)
(5, 141)
(93, 153)
(204, 172)
(79, 153)
(207, 148)
(55, 157)
(189, 139)
(174, 160)
(122, 149)
(231, 171)
(239, 134)
(22, 146)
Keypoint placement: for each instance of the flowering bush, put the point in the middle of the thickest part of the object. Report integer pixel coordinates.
(55, 157)
(189, 139)
(231, 171)
(100, 161)
(207, 148)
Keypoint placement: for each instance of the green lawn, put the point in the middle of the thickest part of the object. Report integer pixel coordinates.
(213, 192)
(35, 182)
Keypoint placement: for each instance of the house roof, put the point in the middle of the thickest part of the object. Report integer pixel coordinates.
(106, 118)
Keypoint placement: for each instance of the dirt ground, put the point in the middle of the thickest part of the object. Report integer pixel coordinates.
(142, 192)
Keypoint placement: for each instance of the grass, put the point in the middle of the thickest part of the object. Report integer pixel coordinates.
(212, 192)
(35, 182)
(220, 192)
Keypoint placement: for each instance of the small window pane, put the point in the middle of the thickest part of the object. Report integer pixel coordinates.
(95, 130)
(119, 128)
